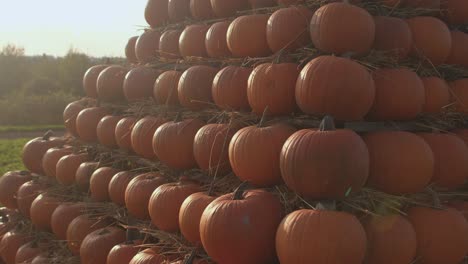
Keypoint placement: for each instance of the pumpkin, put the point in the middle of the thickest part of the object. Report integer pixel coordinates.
(287, 28)
(26, 194)
(261, 3)
(457, 11)
(130, 50)
(425, 4)
(435, 229)
(99, 183)
(348, 95)
(342, 28)
(139, 191)
(103, 239)
(254, 153)
(165, 202)
(434, 47)
(90, 80)
(118, 185)
(392, 35)
(9, 245)
(190, 214)
(51, 158)
(123, 132)
(194, 88)
(27, 252)
(169, 44)
(192, 41)
(399, 94)
(226, 8)
(87, 122)
(272, 86)
(216, 41)
(437, 94)
(156, 12)
(10, 183)
(201, 9)
(165, 88)
(79, 228)
(246, 36)
(461, 206)
(142, 135)
(400, 162)
(139, 83)
(42, 209)
(178, 10)
(123, 253)
(387, 235)
(62, 217)
(34, 150)
(458, 53)
(308, 236)
(110, 83)
(105, 130)
(229, 88)
(311, 167)
(150, 256)
(67, 167)
(459, 89)
(210, 148)
(146, 48)
(71, 112)
(83, 175)
(462, 134)
(41, 259)
(252, 217)
(450, 160)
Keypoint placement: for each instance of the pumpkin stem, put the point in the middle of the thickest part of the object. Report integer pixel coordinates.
(190, 258)
(48, 135)
(263, 119)
(240, 191)
(326, 205)
(327, 124)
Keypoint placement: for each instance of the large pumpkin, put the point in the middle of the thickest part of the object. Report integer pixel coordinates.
(309, 236)
(156, 12)
(110, 83)
(311, 167)
(437, 94)
(392, 35)
(67, 167)
(287, 28)
(252, 217)
(42, 209)
(34, 150)
(216, 40)
(229, 88)
(10, 183)
(142, 135)
(87, 122)
(139, 191)
(387, 235)
(27, 252)
(462, 133)
(272, 86)
(165, 88)
(336, 86)
(201, 9)
(130, 50)
(147, 45)
(435, 229)
(165, 202)
(97, 245)
(342, 28)
(71, 112)
(459, 89)
(457, 11)
(26, 194)
(99, 183)
(123, 132)
(246, 36)
(123, 253)
(118, 185)
(139, 83)
(458, 52)
(83, 175)
(90, 80)
(433, 47)
(62, 217)
(254, 153)
(190, 214)
(79, 228)
(400, 162)
(194, 88)
(106, 130)
(150, 256)
(51, 158)
(178, 10)
(169, 44)
(192, 41)
(399, 94)
(9, 245)
(226, 8)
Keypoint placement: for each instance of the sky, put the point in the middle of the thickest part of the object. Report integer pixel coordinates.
(95, 27)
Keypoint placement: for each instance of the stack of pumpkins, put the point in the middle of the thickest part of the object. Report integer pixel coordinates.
(319, 165)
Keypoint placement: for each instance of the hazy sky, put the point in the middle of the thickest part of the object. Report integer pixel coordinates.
(96, 27)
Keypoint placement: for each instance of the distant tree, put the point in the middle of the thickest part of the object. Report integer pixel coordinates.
(40, 86)
(12, 50)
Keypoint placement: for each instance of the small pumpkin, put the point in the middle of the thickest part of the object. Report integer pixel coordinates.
(123, 132)
(123, 253)
(99, 183)
(110, 83)
(169, 44)
(87, 122)
(392, 35)
(51, 158)
(67, 167)
(27, 193)
(83, 175)
(27, 252)
(146, 48)
(458, 53)
(62, 217)
(459, 89)
(139, 191)
(194, 88)
(10, 183)
(42, 209)
(216, 41)
(456, 11)
(437, 94)
(178, 10)
(90, 80)
(130, 50)
(71, 112)
(105, 130)
(34, 150)
(190, 214)
(192, 41)
(79, 228)
(229, 88)
(142, 135)
(156, 12)
(150, 256)
(117, 186)
(246, 36)
(103, 239)
(201, 9)
(9, 245)
(41, 259)
(226, 8)
(139, 83)
(165, 88)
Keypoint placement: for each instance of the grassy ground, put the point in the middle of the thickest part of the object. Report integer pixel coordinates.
(4, 129)
(10, 154)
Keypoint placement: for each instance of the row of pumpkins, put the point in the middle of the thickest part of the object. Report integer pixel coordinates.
(337, 28)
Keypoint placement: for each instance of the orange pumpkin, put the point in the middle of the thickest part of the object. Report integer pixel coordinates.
(106, 130)
(342, 28)
(434, 47)
(42, 209)
(272, 86)
(165, 202)
(142, 135)
(71, 112)
(252, 217)
(392, 35)
(246, 36)
(26, 194)
(336, 86)
(459, 89)
(9, 245)
(254, 153)
(62, 217)
(139, 83)
(287, 28)
(450, 160)
(117, 186)
(79, 228)
(435, 229)
(400, 162)
(87, 122)
(123, 132)
(457, 11)
(194, 89)
(27, 252)
(41, 259)
(461, 206)
(216, 40)
(150, 256)
(34, 150)
(99, 183)
(310, 166)
(103, 239)
(425, 4)
(307, 236)
(229, 88)
(399, 94)
(51, 158)
(156, 12)
(123, 253)
(130, 53)
(146, 47)
(201, 9)
(458, 52)
(192, 41)
(437, 94)
(110, 83)
(387, 235)
(10, 183)
(139, 191)
(83, 175)
(178, 10)
(190, 214)
(165, 88)
(462, 134)
(226, 8)
(169, 44)
(90, 80)
(67, 167)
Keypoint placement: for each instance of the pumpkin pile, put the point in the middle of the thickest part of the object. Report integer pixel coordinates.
(259, 131)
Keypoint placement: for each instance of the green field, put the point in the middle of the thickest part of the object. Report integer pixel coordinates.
(30, 128)
(10, 154)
